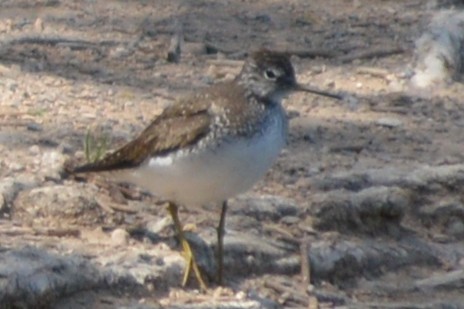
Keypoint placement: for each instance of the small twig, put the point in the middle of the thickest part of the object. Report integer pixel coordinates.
(290, 292)
(15, 231)
(65, 232)
(348, 148)
(285, 235)
(390, 109)
(373, 53)
(14, 114)
(313, 303)
(164, 95)
(104, 205)
(122, 208)
(312, 53)
(62, 41)
(213, 49)
(130, 193)
(308, 230)
(305, 263)
(174, 50)
(376, 72)
(225, 62)
(14, 123)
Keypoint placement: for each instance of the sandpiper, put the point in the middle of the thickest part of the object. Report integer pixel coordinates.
(211, 145)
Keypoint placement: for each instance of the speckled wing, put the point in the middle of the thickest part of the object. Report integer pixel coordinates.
(180, 125)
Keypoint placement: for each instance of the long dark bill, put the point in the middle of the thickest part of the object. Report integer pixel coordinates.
(319, 92)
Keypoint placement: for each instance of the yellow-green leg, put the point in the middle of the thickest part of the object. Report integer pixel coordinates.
(188, 253)
(220, 243)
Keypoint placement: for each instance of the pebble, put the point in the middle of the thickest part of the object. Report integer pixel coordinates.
(15, 167)
(52, 163)
(34, 127)
(38, 25)
(120, 52)
(9, 25)
(456, 228)
(34, 150)
(389, 122)
(120, 237)
(229, 76)
(351, 101)
(2, 202)
(264, 18)
(158, 226)
(290, 220)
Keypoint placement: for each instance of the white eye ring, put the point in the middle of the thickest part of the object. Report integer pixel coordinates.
(270, 74)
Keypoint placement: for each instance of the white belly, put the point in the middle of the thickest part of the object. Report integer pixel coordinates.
(213, 175)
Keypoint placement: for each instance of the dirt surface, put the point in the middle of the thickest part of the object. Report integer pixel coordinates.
(67, 67)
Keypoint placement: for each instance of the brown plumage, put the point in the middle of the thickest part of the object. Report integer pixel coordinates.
(177, 127)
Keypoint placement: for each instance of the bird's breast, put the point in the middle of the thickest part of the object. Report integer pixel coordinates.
(217, 172)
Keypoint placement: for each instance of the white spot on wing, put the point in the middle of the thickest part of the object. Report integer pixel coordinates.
(160, 161)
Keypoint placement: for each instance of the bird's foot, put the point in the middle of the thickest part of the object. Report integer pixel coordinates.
(191, 266)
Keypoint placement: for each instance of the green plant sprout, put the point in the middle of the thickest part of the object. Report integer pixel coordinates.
(95, 145)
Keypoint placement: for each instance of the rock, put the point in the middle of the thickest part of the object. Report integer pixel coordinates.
(141, 306)
(34, 150)
(244, 304)
(448, 214)
(10, 187)
(120, 237)
(157, 266)
(33, 278)
(194, 48)
(266, 207)
(158, 226)
(340, 261)
(456, 228)
(411, 305)
(51, 164)
(448, 176)
(389, 122)
(350, 101)
(174, 50)
(15, 167)
(264, 18)
(446, 281)
(438, 55)
(349, 181)
(247, 254)
(374, 210)
(418, 179)
(58, 206)
(38, 25)
(334, 298)
(34, 127)
(290, 220)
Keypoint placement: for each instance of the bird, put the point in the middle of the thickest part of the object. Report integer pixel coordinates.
(211, 145)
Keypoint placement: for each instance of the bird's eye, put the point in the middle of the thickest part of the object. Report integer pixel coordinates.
(270, 74)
